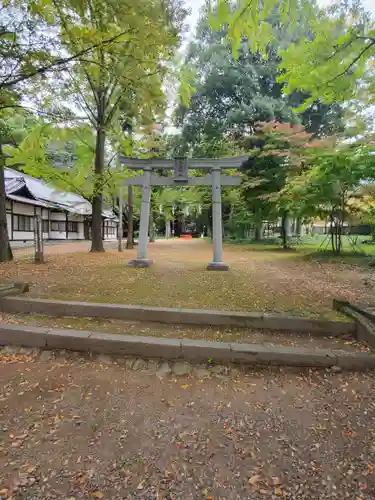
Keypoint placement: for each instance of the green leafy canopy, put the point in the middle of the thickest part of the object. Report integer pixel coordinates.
(333, 62)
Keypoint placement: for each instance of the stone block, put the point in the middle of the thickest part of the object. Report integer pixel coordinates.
(23, 335)
(163, 370)
(356, 361)
(22, 286)
(68, 339)
(46, 356)
(283, 356)
(140, 263)
(8, 290)
(35, 306)
(215, 318)
(148, 347)
(140, 364)
(181, 368)
(307, 325)
(217, 266)
(365, 330)
(201, 350)
(160, 315)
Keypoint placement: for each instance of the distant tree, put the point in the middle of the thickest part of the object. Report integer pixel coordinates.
(110, 51)
(277, 155)
(333, 186)
(130, 71)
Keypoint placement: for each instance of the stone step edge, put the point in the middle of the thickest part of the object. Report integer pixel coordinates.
(13, 288)
(183, 349)
(365, 325)
(176, 316)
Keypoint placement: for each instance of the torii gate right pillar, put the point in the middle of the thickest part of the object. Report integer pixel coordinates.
(217, 263)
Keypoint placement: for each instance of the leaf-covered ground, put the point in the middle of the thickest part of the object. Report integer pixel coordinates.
(272, 281)
(78, 429)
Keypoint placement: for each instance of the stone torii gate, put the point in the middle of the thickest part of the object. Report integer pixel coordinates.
(181, 166)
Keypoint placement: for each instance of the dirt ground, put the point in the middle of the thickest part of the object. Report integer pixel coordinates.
(77, 429)
(271, 281)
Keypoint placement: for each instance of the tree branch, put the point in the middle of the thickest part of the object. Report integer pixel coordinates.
(57, 63)
(113, 110)
(356, 59)
(343, 47)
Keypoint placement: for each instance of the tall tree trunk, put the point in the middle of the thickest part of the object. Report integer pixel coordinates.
(257, 234)
(97, 201)
(284, 235)
(5, 250)
(339, 237)
(130, 239)
(332, 232)
(341, 223)
(258, 231)
(298, 227)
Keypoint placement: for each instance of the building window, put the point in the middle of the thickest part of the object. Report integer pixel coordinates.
(59, 226)
(45, 226)
(23, 223)
(72, 227)
(109, 228)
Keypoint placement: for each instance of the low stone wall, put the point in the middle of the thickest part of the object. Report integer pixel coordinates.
(364, 321)
(174, 349)
(176, 316)
(15, 288)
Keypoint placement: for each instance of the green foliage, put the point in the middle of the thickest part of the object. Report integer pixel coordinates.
(330, 65)
(231, 95)
(43, 146)
(14, 126)
(250, 19)
(333, 183)
(327, 63)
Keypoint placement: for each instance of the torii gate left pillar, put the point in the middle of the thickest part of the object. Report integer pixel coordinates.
(142, 259)
(214, 179)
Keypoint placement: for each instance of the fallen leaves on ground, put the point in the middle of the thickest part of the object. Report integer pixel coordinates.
(263, 434)
(256, 281)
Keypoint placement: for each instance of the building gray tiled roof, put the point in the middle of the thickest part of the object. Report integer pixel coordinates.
(28, 189)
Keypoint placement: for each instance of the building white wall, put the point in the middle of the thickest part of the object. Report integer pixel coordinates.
(50, 215)
(9, 223)
(55, 216)
(79, 234)
(23, 209)
(108, 235)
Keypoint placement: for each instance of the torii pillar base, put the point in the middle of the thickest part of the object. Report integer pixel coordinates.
(217, 266)
(140, 263)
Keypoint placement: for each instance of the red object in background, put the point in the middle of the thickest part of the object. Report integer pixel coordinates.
(186, 236)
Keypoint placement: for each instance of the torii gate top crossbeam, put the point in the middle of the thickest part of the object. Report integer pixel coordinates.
(197, 163)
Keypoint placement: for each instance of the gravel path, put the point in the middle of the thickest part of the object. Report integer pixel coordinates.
(76, 428)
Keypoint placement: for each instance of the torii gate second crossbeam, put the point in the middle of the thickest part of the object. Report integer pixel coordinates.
(181, 167)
